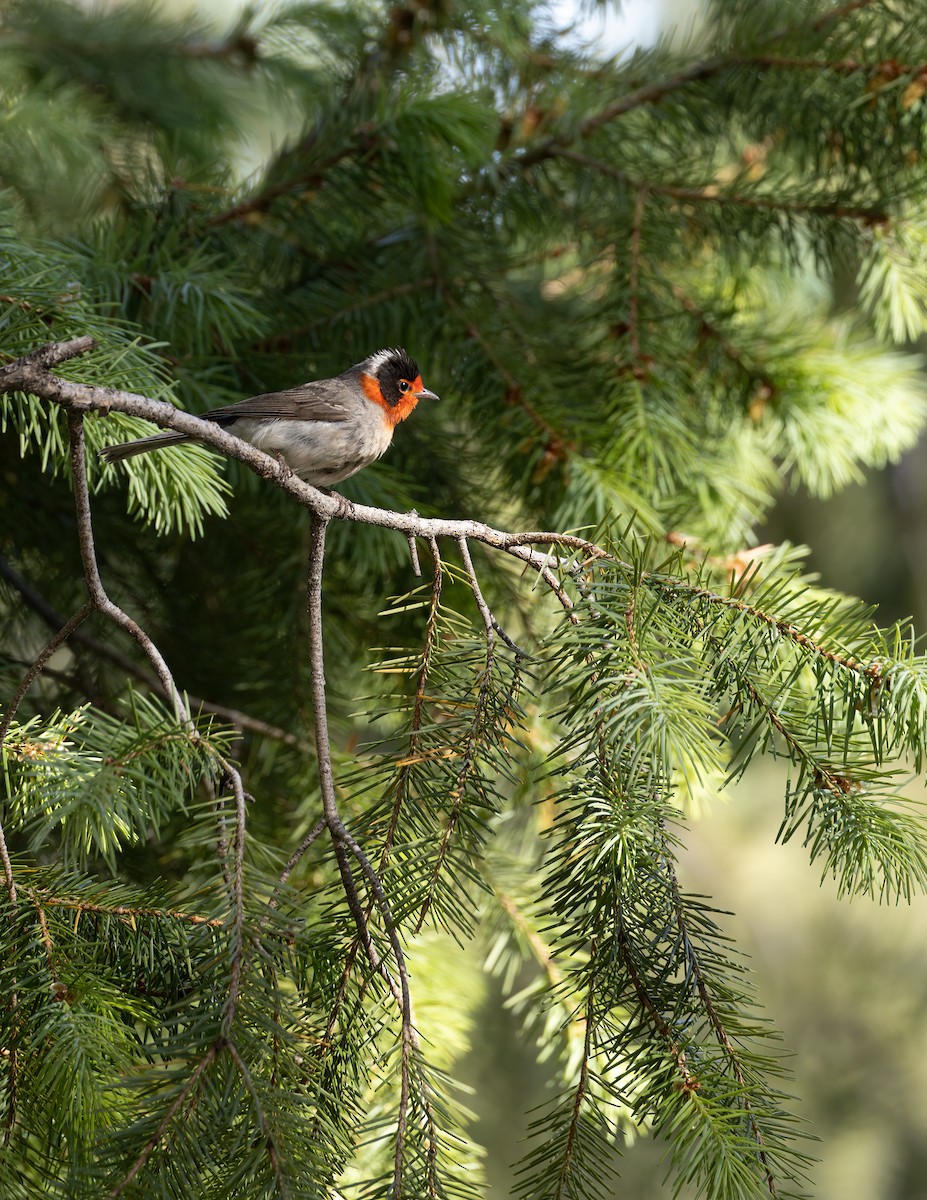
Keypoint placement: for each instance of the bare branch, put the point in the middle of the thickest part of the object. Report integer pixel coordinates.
(98, 597)
(335, 825)
(317, 829)
(41, 360)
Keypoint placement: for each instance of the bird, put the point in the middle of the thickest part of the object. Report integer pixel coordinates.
(324, 430)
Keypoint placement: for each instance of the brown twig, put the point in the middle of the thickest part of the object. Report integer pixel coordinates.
(98, 597)
(332, 817)
(343, 843)
(125, 910)
(315, 832)
(165, 1121)
(829, 208)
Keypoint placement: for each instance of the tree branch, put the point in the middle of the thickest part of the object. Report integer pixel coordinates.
(98, 597)
(243, 720)
(698, 72)
(829, 208)
(165, 1121)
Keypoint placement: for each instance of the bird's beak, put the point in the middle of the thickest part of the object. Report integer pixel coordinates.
(425, 394)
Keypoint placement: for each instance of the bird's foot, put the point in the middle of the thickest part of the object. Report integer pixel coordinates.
(344, 507)
(282, 463)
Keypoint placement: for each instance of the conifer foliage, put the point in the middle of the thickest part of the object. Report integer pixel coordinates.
(231, 880)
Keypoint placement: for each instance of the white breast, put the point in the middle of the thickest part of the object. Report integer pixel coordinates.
(320, 452)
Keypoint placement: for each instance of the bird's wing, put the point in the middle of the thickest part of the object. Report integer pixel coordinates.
(322, 400)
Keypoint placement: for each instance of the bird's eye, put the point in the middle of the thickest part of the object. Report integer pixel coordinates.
(404, 386)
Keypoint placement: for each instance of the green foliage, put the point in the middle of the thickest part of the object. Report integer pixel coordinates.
(618, 274)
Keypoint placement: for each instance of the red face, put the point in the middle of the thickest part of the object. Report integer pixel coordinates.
(396, 407)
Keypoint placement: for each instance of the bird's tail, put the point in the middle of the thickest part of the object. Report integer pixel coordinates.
(142, 446)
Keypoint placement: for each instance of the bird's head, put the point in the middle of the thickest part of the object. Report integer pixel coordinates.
(391, 379)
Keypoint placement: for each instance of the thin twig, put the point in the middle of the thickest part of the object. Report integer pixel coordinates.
(125, 910)
(829, 208)
(244, 721)
(332, 817)
(103, 604)
(100, 600)
(238, 902)
(634, 249)
(314, 832)
(343, 843)
(165, 1121)
(263, 1124)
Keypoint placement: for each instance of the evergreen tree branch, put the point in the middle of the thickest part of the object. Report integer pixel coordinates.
(283, 339)
(582, 1086)
(82, 398)
(270, 1143)
(343, 842)
(411, 757)
(237, 883)
(178, 1102)
(59, 639)
(694, 966)
(698, 72)
(31, 674)
(785, 628)
(833, 209)
(474, 734)
(244, 721)
(543, 952)
(634, 249)
(651, 1010)
(57, 989)
(102, 603)
(332, 816)
(36, 668)
(47, 900)
(708, 327)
